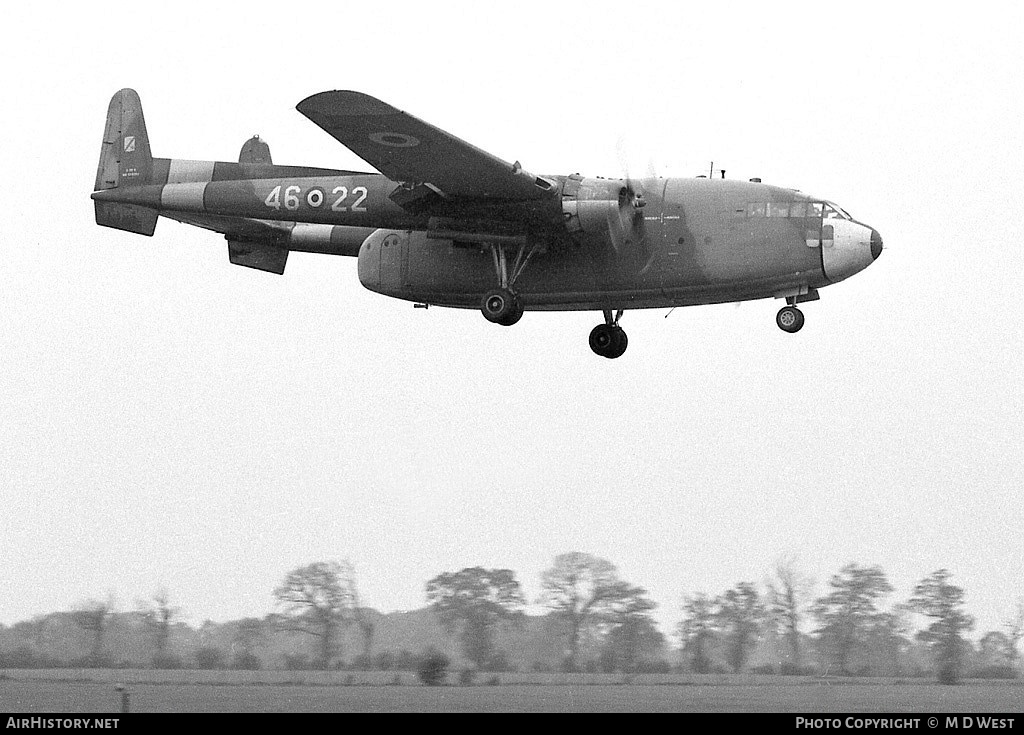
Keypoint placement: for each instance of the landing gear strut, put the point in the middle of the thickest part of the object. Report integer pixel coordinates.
(608, 339)
(790, 319)
(503, 305)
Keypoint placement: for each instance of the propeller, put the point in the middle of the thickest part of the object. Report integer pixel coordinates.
(626, 224)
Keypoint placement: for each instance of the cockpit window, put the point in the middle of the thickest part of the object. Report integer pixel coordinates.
(834, 211)
(786, 209)
(815, 210)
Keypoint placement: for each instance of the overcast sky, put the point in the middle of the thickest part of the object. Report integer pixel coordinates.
(168, 419)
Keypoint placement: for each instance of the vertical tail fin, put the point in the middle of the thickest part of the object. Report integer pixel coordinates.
(255, 151)
(125, 160)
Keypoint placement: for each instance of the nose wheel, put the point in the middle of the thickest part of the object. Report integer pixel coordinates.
(790, 319)
(609, 339)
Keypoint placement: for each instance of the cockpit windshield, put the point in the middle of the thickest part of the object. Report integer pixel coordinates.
(834, 211)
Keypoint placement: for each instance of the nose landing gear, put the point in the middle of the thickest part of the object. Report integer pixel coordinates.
(609, 339)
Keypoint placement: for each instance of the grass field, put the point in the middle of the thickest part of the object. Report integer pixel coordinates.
(38, 694)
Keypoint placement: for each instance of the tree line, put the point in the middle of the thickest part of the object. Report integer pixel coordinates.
(594, 620)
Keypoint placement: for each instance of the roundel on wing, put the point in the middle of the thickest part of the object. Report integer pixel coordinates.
(394, 140)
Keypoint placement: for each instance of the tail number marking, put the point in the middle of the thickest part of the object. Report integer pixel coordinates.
(359, 192)
(314, 198)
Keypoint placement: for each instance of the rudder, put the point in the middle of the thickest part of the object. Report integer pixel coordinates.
(125, 160)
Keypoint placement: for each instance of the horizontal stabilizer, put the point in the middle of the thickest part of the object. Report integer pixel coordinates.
(261, 256)
(127, 217)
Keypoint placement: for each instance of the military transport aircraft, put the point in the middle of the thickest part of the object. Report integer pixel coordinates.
(448, 224)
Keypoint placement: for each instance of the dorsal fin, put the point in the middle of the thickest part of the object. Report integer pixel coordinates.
(255, 151)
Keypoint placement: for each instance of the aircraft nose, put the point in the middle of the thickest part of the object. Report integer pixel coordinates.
(876, 243)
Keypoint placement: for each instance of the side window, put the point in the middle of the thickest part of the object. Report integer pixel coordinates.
(831, 213)
(755, 210)
(798, 209)
(828, 236)
(778, 210)
(814, 209)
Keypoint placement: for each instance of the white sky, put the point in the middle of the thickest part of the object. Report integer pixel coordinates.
(169, 419)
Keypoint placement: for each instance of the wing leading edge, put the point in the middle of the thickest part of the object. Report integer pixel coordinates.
(413, 152)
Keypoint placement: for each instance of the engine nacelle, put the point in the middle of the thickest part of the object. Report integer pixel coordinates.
(602, 213)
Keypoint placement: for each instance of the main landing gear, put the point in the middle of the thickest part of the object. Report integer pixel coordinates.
(503, 305)
(608, 339)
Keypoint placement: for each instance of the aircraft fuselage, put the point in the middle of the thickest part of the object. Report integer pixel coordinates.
(703, 240)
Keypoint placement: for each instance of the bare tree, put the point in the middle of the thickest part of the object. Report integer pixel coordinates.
(94, 617)
(739, 616)
(579, 588)
(249, 634)
(850, 610)
(994, 649)
(471, 603)
(159, 615)
(788, 595)
(319, 600)
(1014, 633)
(632, 630)
(697, 630)
(367, 627)
(942, 601)
(887, 639)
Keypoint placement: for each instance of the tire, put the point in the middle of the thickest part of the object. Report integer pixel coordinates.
(603, 339)
(515, 315)
(790, 319)
(619, 346)
(498, 305)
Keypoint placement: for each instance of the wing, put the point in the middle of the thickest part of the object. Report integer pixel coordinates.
(411, 151)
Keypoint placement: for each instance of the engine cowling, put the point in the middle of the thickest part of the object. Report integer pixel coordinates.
(604, 213)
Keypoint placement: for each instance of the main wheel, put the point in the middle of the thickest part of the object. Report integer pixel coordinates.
(498, 305)
(621, 343)
(608, 341)
(602, 339)
(515, 315)
(790, 319)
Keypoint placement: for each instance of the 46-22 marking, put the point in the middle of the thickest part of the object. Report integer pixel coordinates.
(290, 197)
